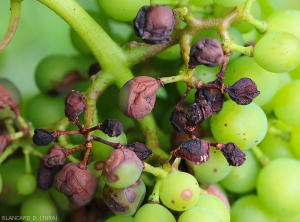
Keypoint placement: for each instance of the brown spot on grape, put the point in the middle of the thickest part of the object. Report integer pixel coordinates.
(173, 201)
(215, 170)
(225, 124)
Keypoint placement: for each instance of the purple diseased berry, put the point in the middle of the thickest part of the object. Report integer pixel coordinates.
(125, 201)
(243, 91)
(112, 127)
(140, 149)
(138, 95)
(122, 168)
(55, 156)
(154, 24)
(195, 151)
(206, 52)
(75, 105)
(233, 154)
(79, 185)
(42, 137)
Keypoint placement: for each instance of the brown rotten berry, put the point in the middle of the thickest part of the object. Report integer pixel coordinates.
(154, 24)
(195, 151)
(243, 91)
(138, 95)
(42, 137)
(198, 112)
(140, 149)
(206, 52)
(122, 168)
(112, 127)
(79, 185)
(55, 156)
(75, 105)
(179, 121)
(233, 154)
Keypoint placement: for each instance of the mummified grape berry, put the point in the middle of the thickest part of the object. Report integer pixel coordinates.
(45, 176)
(198, 112)
(195, 151)
(243, 91)
(211, 94)
(179, 121)
(206, 52)
(140, 149)
(137, 96)
(79, 185)
(112, 127)
(124, 201)
(54, 156)
(233, 154)
(42, 137)
(122, 168)
(154, 24)
(75, 105)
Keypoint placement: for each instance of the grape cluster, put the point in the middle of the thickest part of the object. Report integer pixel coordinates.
(169, 111)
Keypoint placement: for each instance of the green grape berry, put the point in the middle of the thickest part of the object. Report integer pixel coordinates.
(26, 184)
(153, 212)
(179, 191)
(199, 214)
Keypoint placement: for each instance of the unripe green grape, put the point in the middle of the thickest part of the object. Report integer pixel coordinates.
(51, 70)
(286, 102)
(201, 3)
(170, 53)
(118, 218)
(242, 179)
(247, 67)
(215, 204)
(295, 141)
(60, 199)
(38, 205)
(278, 52)
(10, 195)
(211, 171)
(100, 150)
(289, 219)
(245, 126)
(278, 186)
(125, 201)
(43, 110)
(179, 191)
(122, 10)
(199, 214)
(284, 20)
(153, 212)
(249, 208)
(290, 4)
(26, 184)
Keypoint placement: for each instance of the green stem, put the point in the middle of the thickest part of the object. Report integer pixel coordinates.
(154, 196)
(260, 156)
(171, 79)
(155, 171)
(10, 149)
(28, 169)
(15, 8)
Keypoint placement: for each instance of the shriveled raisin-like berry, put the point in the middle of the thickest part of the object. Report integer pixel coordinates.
(198, 112)
(140, 149)
(243, 91)
(195, 151)
(112, 127)
(79, 185)
(42, 137)
(233, 154)
(75, 105)
(179, 121)
(7, 100)
(54, 156)
(206, 52)
(138, 95)
(45, 176)
(212, 95)
(154, 24)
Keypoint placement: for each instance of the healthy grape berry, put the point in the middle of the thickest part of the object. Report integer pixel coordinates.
(55, 156)
(138, 95)
(206, 52)
(75, 105)
(42, 137)
(78, 184)
(154, 24)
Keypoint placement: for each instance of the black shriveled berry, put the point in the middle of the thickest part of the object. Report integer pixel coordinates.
(195, 151)
(112, 127)
(233, 154)
(45, 176)
(42, 137)
(154, 24)
(179, 121)
(206, 52)
(212, 94)
(75, 105)
(140, 149)
(198, 112)
(243, 91)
